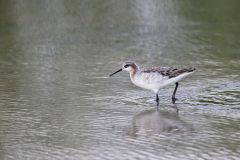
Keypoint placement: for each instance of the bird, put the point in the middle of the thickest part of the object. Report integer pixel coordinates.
(155, 78)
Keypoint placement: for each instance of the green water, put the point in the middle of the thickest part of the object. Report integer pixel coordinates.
(57, 102)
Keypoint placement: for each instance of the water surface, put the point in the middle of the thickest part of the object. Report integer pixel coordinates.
(57, 101)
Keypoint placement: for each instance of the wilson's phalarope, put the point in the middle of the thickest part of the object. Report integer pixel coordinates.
(155, 78)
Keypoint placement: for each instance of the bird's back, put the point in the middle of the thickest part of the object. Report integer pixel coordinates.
(169, 72)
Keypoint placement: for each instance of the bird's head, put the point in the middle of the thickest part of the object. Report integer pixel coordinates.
(131, 67)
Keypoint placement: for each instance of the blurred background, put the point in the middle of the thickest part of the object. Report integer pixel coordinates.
(57, 102)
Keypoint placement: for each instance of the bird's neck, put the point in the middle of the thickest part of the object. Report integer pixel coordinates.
(133, 71)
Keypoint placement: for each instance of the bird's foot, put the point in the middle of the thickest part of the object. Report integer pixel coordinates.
(157, 103)
(174, 100)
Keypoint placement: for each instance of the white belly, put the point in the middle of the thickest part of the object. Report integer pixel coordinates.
(155, 81)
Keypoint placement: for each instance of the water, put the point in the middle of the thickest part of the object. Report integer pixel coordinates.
(57, 101)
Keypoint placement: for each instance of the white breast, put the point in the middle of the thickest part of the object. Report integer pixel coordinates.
(152, 81)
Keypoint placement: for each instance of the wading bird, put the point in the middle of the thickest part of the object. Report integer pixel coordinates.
(155, 78)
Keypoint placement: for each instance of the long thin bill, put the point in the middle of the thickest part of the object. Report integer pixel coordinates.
(115, 72)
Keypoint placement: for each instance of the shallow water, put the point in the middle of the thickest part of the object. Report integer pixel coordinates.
(57, 101)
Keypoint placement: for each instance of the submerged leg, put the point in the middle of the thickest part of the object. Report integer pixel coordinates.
(174, 93)
(157, 99)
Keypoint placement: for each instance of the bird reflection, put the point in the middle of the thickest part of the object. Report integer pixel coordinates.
(157, 121)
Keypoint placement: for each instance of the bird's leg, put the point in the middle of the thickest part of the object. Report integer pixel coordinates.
(157, 99)
(174, 93)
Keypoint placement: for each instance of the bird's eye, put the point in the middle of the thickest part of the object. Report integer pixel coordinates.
(126, 66)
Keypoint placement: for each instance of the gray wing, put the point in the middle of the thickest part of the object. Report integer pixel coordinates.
(169, 71)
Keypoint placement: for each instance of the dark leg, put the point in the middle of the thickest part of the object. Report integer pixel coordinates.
(174, 93)
(157, 99)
